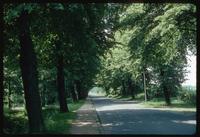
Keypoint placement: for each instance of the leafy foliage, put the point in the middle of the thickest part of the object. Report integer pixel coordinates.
(110, 45)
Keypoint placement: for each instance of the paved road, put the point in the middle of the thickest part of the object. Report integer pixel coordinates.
(126, 117)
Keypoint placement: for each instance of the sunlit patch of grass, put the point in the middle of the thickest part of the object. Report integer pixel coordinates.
(59, 123)
(175, 104)
(75, 106)
(111, 96)
(15, 121)
(125, 97)
(139, 97)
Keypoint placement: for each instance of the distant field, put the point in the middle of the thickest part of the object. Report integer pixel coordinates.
(189, 87)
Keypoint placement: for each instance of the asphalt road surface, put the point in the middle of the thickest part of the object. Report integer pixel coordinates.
(126, 117)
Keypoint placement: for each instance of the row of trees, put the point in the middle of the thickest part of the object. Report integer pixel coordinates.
(62, 47)
(52, 47)
(151, 57)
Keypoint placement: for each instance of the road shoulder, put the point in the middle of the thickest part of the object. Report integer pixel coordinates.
(86, 121)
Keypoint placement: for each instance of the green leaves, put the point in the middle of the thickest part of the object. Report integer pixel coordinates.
(13, 11)
(109, 41)
(152, 40)
(56, 6)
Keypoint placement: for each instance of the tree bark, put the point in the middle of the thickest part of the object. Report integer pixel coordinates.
(131, 89)
(123, 88)
(145, 91)
(79, 90)
(1, 71)
(165, 89)
(67, 89)
(167, 95)
(73, 93)
(9, 95)
(43, 95)
(85, 93)
(29, 76)
(61, 80)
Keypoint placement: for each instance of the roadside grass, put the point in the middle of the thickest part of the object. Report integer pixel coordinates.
(176, 104)
(59, 123)
(16, 121)
(127, 97)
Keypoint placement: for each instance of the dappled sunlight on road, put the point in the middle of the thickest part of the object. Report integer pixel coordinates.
(118, 107)
(108, 124)
(86, 120)
(80, 123)
(115, 104)
(131, 117)
(193, 122)
(132, 106)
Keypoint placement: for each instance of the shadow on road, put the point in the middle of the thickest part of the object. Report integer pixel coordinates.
(125, 117)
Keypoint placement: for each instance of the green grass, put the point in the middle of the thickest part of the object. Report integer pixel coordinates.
(176, 104)
(16, 121)
(139, 97)
(127, 97)
(59, 123)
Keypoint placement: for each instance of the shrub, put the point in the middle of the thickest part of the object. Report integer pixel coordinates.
(187, 95)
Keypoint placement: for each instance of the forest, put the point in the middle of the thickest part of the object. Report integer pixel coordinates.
(54, 53)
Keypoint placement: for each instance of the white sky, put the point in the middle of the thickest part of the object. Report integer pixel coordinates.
(191, 75)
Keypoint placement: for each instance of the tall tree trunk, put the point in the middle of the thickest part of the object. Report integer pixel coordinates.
(123, 88)
(9, 95)
(107, 90)
(144, 85)
(85, 93)
(61, 80)
(67, 89)
(79, 90)
(29, 76)
(166, 94)
(165, 89)
(43, 95)
(1, 70)
(73, 93)
(131, 89)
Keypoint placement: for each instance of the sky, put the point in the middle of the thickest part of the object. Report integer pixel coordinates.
(191, 76)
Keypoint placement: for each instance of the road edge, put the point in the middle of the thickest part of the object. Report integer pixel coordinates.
(98, 117)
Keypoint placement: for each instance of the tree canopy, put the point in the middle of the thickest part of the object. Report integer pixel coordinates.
(69, 48)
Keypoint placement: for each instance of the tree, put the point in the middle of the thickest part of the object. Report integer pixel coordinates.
(61, 80)
(157, 49)
(29, 75)
(28, 63)
(2, 76)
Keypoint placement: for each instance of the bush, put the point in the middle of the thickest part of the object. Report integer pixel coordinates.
(154, 92)
(187, 95)
(140, 96)
(15, 121)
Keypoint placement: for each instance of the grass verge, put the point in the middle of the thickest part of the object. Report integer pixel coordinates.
(16, 121)
(177, 105)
